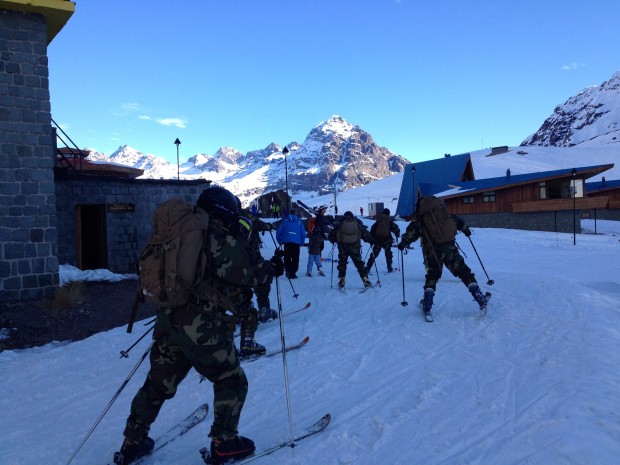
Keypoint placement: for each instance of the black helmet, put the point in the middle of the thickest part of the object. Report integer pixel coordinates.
(349, 214)
(386, 211)
(220, 202)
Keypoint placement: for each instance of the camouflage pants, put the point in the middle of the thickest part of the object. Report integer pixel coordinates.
(262, 294)
(376, 250)
(350, 250)
(202, 341)
(445, 254)
(248, 315)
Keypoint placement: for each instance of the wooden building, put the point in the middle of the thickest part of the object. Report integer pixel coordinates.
(545, 201)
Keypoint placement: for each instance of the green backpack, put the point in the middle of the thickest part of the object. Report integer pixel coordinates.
(173, 263)
(436, 220)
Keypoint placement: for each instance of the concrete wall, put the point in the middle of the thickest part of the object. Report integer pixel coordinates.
(554, 221)
(28, 264)
(127, 232)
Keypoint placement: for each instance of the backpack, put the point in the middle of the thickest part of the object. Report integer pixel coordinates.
(310, 224)
(174, 261)
(349, 231)
(436, 220)
(382, 228)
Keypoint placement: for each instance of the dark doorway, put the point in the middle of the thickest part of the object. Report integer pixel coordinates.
(92, 247)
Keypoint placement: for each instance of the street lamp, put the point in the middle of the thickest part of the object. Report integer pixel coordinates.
(413, 190)
(288, 206)
(574, 189)
(177, 142)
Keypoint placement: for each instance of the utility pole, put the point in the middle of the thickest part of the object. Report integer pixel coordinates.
(413, 189)
(288, 202)
(177, 142)
(574, 190)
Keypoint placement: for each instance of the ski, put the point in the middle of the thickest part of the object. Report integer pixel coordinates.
(195, 418)
(483, 308)
(305, 307)
(369, 287)
(310, 431)
(253, 358)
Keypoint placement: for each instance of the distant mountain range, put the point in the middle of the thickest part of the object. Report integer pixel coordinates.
(335, 154)
(338, 155)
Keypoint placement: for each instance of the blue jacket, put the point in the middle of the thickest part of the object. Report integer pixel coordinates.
(291, 229)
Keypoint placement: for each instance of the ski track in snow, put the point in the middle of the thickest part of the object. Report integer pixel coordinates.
(534, 382)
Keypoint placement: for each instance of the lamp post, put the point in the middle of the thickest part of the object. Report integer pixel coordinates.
(177, 142)
(288, 206)
(574, 189)
(413, 189)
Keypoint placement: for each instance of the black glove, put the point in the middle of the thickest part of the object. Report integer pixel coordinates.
(466, 231)
(402, 246)
(279, 253)
(278, 265)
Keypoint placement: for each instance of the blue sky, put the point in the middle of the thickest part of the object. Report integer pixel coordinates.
(423, 78)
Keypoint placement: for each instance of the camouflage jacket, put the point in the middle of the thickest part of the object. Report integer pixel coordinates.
(234, 266)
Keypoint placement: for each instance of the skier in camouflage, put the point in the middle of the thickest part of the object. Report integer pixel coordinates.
(200, 336)
(436, 255)
(248, 314)
(381, 232)
(348, 233)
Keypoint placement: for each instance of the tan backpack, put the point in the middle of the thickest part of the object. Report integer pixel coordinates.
(174, 262)
(436, 220)
(349, 231)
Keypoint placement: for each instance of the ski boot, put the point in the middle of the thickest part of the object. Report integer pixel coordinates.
(251, 348)
(366, 281)
(266, 314)
(427, 301)
(321, 272)
(479, 297)
(341, 283)
(225, 450)
(308, 274)
(131, 452)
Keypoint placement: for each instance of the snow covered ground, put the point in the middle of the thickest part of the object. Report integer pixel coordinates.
(534, 382)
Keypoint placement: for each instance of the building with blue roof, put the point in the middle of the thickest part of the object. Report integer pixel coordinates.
(546, 201)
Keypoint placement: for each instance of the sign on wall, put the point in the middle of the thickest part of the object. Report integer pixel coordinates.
(121, 207)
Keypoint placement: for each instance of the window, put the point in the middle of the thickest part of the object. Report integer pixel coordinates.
(469, 199)
(488, 197)
(542, 190)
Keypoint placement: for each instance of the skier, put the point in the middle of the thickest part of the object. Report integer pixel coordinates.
(437, 230)
(248, 314)
(348, 233)
(315, 247)
(292, 234)
(200, 336)
(381, 232)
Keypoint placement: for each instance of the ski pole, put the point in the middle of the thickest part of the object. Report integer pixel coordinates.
(125, 353)
(285, 365)
(404, 303)
(331, 277)
(490, 282)
(133, 371)
(372, 254)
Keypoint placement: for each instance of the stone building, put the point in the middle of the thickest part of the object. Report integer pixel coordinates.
(50, 213)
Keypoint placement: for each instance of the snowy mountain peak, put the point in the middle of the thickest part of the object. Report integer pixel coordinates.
(335, 125)
(591, 116)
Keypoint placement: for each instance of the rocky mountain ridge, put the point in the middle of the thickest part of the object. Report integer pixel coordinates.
(335, 154)
(590, 117)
